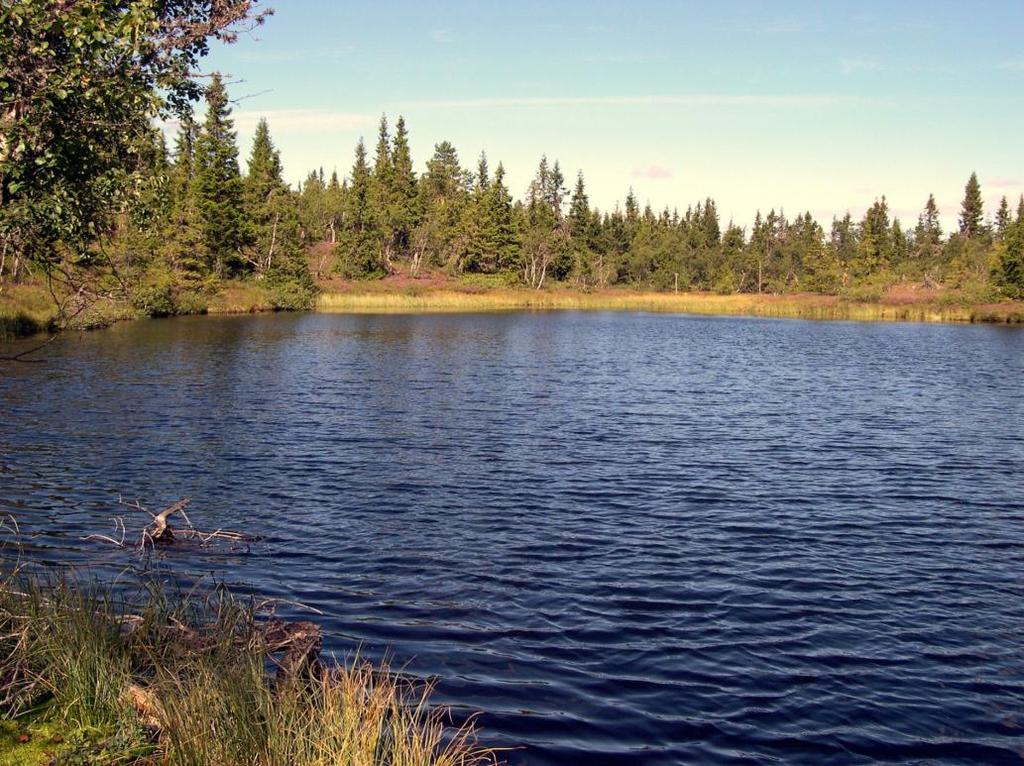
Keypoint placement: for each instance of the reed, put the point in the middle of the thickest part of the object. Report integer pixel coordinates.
(149, 678)
(800, 306)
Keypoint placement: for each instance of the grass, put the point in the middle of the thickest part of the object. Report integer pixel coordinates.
(799, 306)
(238, 297)
(25, 309)
(87, 677)
(28, 308)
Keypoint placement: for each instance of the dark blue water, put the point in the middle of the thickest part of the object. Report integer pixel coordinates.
(628, 539)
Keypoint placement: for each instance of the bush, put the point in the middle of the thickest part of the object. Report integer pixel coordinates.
(291, 295)
(155, 298)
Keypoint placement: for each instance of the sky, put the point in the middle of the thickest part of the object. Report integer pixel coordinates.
(791, 104)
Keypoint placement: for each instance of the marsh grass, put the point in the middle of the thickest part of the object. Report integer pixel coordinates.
(800, 306)
(79, 658)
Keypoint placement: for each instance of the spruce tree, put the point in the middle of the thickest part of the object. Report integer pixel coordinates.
(581, 232)
(444, 193)
(382, 193)
(1008, 272)
(263, 176)
(928, 232)
(404, 214)
(275, 248)
(358, 248)
(1003, 219)
(875, 246)
(505, 244)
(477, 227)
(712, 233)
(972, 209)
(185, 245)
(217, 185)
(483, 175)
(817, 262)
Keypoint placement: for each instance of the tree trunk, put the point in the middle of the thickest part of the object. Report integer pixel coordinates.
(3, 262)
(273, 242)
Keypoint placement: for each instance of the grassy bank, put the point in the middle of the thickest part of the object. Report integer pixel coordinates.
(29, 308)
(926, 307)
(90, 678)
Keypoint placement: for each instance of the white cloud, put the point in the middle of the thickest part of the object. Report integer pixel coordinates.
(656, 172)
(696, 100)
(1013, 65)
(441, 36)
(311, 120)
(855, 65)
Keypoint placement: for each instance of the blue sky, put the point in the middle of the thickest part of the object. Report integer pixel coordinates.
(791, 104)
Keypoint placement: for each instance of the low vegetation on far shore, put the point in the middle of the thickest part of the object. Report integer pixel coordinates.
(90, 676)
(907, 303)
(28, 308)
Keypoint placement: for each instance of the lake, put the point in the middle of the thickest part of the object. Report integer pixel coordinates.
(626, 538)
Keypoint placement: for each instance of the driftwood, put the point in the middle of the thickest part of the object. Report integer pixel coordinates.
(159, 530)
(147, 707)
(301, 643)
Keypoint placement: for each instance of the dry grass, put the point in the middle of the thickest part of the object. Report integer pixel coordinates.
(799, 306)
(238, 297)
(184, 681)
(25, 309)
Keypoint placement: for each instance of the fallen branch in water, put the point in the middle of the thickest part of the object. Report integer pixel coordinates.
(159, 530)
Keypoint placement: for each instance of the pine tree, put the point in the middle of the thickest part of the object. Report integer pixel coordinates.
(358, 248)
(483, 176)
(382, 194)
(545, 240)
(263, 176)
(1008, 272)
(184, 249)
(275, 248)
(405, 212)
(972, 209)
(875, 246)
(217, 185)
(500, 213)
(443, 194)
(759, 247)
(581, 232)
(712, 233)
(900, 246)
(928, 232)
(817, 262)
(632, 209)
(1003, 219)
(477, 228)
(843, 241)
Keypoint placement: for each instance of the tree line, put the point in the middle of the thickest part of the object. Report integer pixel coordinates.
(383, 217)
(91, 193)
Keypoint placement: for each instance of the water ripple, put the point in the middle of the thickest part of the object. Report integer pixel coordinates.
(628, 539)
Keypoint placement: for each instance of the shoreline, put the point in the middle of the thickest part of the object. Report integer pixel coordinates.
(785, 306)
(25, 312)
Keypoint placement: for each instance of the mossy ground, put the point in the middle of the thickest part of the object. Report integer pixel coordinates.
(40, 738)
